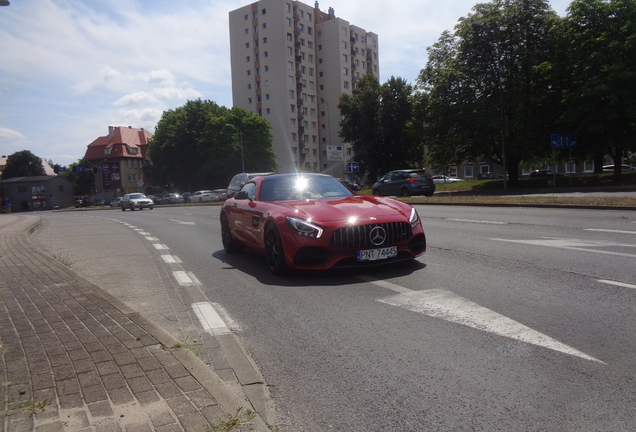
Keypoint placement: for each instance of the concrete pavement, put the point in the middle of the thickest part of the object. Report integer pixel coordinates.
(74, 357)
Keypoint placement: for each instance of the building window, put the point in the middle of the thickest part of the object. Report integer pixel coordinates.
(344, 31)
(266, 83)
(255, 29)
(129, 163)
(344, 45)
(287, 7)
(294, 136)
(264, 25)
(246, 17)
(345, 58)
(588, 166)
(468, 171)
(267, 110)
(249, 100)
(267, 96)
(294, 150)
(249, 72)
(311, 71)
(247, 31)
(290, 37)
(249, 86)
(290, 65)
(301, 27)
(292, 94)
(309, 30)
(345, 71)
(263, 11)
(247, 59)
(290, 51)
(288, 21)
(345, 84)
(310, 44)
(292, 122)
(247, 44)
(107, 151)
(266, 53)
(265, 41)
(292, 108)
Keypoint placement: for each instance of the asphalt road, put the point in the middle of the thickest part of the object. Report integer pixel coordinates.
(514, 319)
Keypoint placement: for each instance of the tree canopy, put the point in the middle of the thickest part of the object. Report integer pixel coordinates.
(485, 93)
(193, 148)
(22, 164)
(376, 120)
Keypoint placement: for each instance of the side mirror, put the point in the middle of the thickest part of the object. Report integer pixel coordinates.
(241, 195)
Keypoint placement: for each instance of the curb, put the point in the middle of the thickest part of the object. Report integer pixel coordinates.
(228, 399)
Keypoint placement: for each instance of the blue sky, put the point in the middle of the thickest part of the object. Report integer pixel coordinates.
(71, 68)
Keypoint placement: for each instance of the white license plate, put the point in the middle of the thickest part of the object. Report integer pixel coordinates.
(377, 254)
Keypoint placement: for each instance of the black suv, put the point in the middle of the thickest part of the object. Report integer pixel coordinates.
(405, 183)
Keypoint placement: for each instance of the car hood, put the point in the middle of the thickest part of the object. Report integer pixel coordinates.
(362, 207)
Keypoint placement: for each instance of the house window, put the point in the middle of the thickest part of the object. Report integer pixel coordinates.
(290, 37)
(247, 44)
(129, 163)
(61, 188)
(292, 94)
(345, 84)
(588, 166)
(294, 136)
(468, 171)
(107, 151)
(292, 122)
(265, 41)
(134, 151)
(267, 110)
(263, 11)
(290, 65)
(288, 21)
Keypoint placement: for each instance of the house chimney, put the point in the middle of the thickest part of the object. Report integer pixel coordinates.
(332, 12)
(111, 132)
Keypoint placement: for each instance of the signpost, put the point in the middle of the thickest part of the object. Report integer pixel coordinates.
(353, 167)
(563, 141)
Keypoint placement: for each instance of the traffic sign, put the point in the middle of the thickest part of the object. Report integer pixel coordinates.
(563, 141)
(353, 167)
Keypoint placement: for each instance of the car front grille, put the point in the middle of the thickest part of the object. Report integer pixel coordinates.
(359, 236)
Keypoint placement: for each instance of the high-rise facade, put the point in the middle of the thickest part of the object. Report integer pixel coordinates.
(290, 64)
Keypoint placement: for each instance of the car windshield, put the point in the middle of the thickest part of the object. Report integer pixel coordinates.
(135, 196)
(301, 187)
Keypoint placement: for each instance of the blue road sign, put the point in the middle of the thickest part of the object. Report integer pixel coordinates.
(353, 167)
(563, 141)
(63, 169)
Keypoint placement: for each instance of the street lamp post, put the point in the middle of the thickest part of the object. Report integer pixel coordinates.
(241, 142)
(478, 27)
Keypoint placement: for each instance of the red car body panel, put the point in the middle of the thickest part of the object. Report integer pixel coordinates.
(249, 218)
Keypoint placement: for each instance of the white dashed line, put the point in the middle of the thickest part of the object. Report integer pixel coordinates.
(620, 284)
(152, 238)
(171, 259)
(209, 318)
(160, 246)
(478, 221)
(610, 231)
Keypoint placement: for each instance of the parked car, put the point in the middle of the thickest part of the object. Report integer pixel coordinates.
(610, 168)
(404, 183)
(116, 202)
(313, 222)
(239, 180)
(353, 187)
(136, 200)
(544, 173)
(219, 194)
(201, 196)
(171, 198)
(185, 196)
(489, 175)
(441, 179)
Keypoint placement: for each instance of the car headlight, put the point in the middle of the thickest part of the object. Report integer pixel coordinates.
(414, 218)
(303, 228)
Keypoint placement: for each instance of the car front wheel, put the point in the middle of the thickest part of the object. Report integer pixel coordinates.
(274, 251)
(123, 208)
(376, 192)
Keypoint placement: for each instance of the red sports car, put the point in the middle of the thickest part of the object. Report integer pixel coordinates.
(312, 221)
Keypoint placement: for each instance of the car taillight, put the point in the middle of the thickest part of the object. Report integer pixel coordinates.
(412, 179)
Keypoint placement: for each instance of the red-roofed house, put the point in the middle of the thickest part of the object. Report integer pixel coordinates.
(121, 155)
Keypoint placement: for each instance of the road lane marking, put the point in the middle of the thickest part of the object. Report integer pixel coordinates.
(620, 284)
(575, 245)
(182, 222)
(209, 318)
(610, 231)
(160, 246)
(151, 238)
(451, 307)
(171, 259)
(478, 221)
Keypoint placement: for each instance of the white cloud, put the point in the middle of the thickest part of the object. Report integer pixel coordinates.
(10, 134)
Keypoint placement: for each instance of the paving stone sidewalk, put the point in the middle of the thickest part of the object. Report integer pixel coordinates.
(75, 358)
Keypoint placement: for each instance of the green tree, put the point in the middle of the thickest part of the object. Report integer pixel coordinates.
(22, 164)
(486, 84)
(599, 37)
(376, 120)
(193, 148)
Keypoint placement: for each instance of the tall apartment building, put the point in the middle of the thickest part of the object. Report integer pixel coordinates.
(290, 64)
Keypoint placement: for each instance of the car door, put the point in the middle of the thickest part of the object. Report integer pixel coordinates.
(248, 217)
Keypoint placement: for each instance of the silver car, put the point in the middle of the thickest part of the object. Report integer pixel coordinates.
(134, 201)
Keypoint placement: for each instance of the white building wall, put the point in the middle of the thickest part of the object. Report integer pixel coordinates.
(288, 63)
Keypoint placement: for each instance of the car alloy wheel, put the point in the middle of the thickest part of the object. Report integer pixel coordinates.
(404, 192)
(274, 250)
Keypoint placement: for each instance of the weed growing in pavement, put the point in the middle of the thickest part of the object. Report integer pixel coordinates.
(188, 342)
(64, 259)
(234, 420)
(30, 405)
